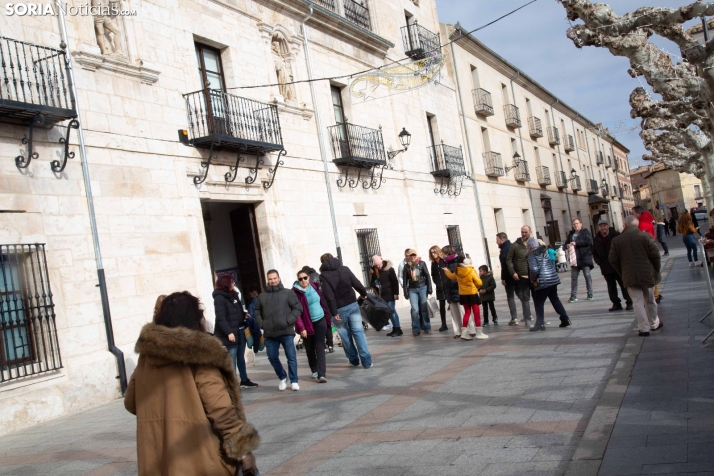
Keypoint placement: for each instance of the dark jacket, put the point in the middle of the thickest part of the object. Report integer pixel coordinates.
(659, 232)
(424, 279)
(503, 258)
(542, 269)
(388, 282)
(251, 306)
(277, 310)
(488, 285)
(339, 285)
(252, 324)
(601, 251)
(304, 322)
(230, 317)
(635, 257)
(583, 247)
(673, 224)
(451, 288)
(517, 261)
(436, 279)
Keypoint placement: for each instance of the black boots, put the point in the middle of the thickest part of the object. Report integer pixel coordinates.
(564, 321)
(396, 332)
(615, 307)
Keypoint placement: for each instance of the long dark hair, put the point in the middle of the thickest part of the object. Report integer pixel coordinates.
(182, 309)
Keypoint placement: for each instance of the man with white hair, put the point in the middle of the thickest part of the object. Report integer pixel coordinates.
(635, 257)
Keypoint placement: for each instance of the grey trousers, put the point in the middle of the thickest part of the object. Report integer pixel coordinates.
(574, 273)
(643, 301)
(523, 291)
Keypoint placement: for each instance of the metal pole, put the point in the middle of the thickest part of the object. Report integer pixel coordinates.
(520, 136)
(318, 124)
(92, 218)
(471, 160)
(711, 293)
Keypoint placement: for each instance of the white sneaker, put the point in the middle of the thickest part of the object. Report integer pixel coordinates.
(314, 375)
(283, 384)
(465, 334)
(691, 264)
(295, 387)
(698, 263)
(480, 335)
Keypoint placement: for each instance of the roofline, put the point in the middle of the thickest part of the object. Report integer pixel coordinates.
(465, 34)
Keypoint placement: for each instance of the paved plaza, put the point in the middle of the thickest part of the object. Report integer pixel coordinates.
(590, 399)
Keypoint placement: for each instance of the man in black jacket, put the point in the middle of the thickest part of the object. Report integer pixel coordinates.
(582, 240)
(338, 287)
(601, 255)
(506, 279)
(276, 311)
(417, 286)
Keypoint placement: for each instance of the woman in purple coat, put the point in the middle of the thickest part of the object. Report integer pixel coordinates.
(312, 324)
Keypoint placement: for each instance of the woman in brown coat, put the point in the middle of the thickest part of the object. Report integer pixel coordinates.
(186, 398)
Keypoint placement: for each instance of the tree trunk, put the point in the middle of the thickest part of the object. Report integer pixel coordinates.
(708, 162)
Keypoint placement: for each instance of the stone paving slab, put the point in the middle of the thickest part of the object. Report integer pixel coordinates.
(518, 403)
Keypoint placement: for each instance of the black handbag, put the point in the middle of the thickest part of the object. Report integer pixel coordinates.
(376, 311)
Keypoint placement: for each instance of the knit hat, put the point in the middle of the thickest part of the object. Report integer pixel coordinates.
(532, 243)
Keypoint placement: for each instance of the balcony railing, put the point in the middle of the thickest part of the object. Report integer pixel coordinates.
(575, 183)
(446, 161)
(608, 162)
(483, 105)
(238, 123)
(357, 13)
(535, 127)
(493, 164)
(561, 180)
(328, 4)
(543, 174)
(513, 117)
(521, 173)
(599, 160)
(553, 136)
(592, 187)
(615, 165)
(605, 191)
(569, 143)
(34, 80)
(419, 42)
(357, 145)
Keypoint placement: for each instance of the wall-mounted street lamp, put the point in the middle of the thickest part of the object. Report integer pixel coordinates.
(516, 162)
(405, 138)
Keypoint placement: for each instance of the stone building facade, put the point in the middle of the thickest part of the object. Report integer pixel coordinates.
(298, 170)
(665, 192)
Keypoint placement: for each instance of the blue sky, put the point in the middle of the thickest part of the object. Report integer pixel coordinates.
(591, 80)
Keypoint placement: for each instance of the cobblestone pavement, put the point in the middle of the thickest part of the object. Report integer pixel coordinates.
(518, 403)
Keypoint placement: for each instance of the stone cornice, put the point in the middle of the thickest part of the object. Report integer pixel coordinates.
(93, 62)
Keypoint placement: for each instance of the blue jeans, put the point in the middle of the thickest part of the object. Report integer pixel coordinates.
(691, 245)
(395, 317)
(237, 352)
(417, 298)
(352, 334)
(272, 347)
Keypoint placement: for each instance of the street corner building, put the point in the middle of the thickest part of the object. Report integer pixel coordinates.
(208, 151)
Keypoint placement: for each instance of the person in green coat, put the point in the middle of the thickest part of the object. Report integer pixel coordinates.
(488, 294)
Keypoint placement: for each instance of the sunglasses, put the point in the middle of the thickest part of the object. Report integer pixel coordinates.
(412, 256)
(304, 278)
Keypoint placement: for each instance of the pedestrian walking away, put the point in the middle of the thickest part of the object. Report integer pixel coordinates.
(517, 265)
(338, 286)
(667, 229)
(469, 284)
(230, 325)
(601, 254)
(315, 279)
(436, 256)
(646, 224)
(545, 281)
(417, 286)
(186, 398)
(673, 225)
(660, 234)
(687, 229)
(487, 293)
(579, 244)
(276, 312)
(311, 324)
(451, 292)
(384, 282)
(635, 257)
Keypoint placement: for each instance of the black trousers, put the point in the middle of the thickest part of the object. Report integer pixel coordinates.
(315, 348)
(486, 305)
(442, 311)
(539, 298)
(613, 280)
(329, 337)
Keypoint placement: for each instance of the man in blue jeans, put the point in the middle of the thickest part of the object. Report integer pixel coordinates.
(417, 285)
(276, 311)
(338, 286)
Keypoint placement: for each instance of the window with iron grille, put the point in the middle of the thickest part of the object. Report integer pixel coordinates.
(368, 242)
(27, 319)
(454, 235)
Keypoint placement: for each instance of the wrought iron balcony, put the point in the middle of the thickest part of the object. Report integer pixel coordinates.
(553, 136)
(513, 117)
(522, 174)
(357, 13)
(569, 143)
(605, 190)
(561, 180)
(615, 165)
(419, 42)
(620, 193)
(357, 146)
(493, 164)
(328, 4)
(575, 183)
(592, 187)
(608, 162)
(599, 159)
(446, 161)
(543, 174)
(535, 127)
(483, 105)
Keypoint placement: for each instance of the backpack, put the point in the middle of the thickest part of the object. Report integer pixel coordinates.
(376, 311)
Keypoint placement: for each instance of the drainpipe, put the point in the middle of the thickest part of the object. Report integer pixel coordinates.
(318, 124)
(92, 218)
(523, 149)
(592, 177)
(471, 160)
(560, 158)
